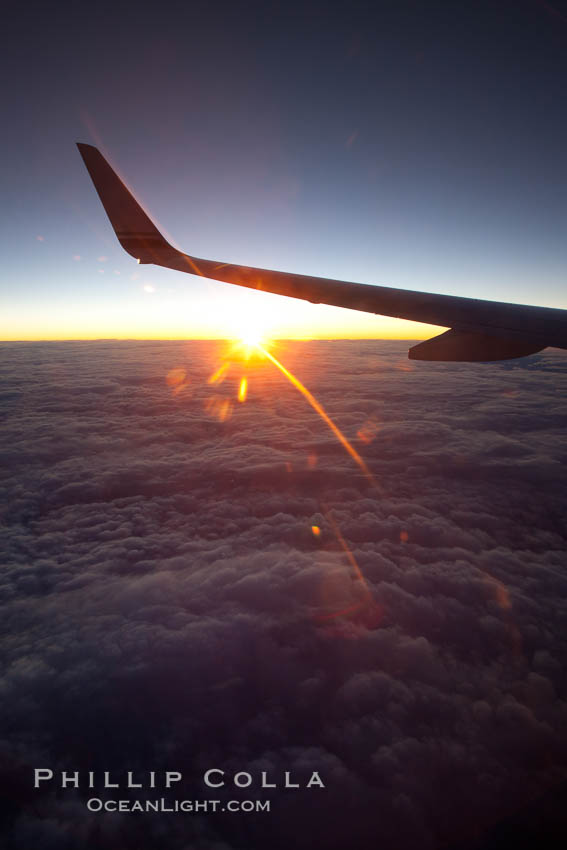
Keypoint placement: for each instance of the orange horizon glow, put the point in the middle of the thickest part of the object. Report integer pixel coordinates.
(150, 311)
(314, 337)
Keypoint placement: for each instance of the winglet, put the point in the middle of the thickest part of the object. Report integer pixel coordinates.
(135, 230)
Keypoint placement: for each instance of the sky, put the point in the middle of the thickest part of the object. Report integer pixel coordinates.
(415, 145)
(192, 582)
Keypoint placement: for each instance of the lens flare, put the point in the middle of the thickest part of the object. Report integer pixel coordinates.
(219, 375)
(321, 411)
(247, 349)
(350, 556)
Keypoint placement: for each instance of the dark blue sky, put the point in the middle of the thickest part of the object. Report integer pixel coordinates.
(411, 144)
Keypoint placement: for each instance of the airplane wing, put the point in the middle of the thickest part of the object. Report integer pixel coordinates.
(478, 330)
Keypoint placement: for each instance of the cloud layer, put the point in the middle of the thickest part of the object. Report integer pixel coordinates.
(168, 606)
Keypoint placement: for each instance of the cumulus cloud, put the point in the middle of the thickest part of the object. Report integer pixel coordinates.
(167, 606)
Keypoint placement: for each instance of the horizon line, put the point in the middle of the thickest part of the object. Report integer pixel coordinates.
(213, 339)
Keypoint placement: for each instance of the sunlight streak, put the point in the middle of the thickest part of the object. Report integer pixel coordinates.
(350, 557)
(320, 410)
(219, 375)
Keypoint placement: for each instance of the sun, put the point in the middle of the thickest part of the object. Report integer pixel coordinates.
(252, 337)
(247, 345)
(252, 333)
(250, 324)
(250, 344)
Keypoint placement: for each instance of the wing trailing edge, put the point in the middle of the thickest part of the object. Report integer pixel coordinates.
(478, 330)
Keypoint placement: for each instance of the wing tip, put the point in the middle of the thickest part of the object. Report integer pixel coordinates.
(84, 146)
